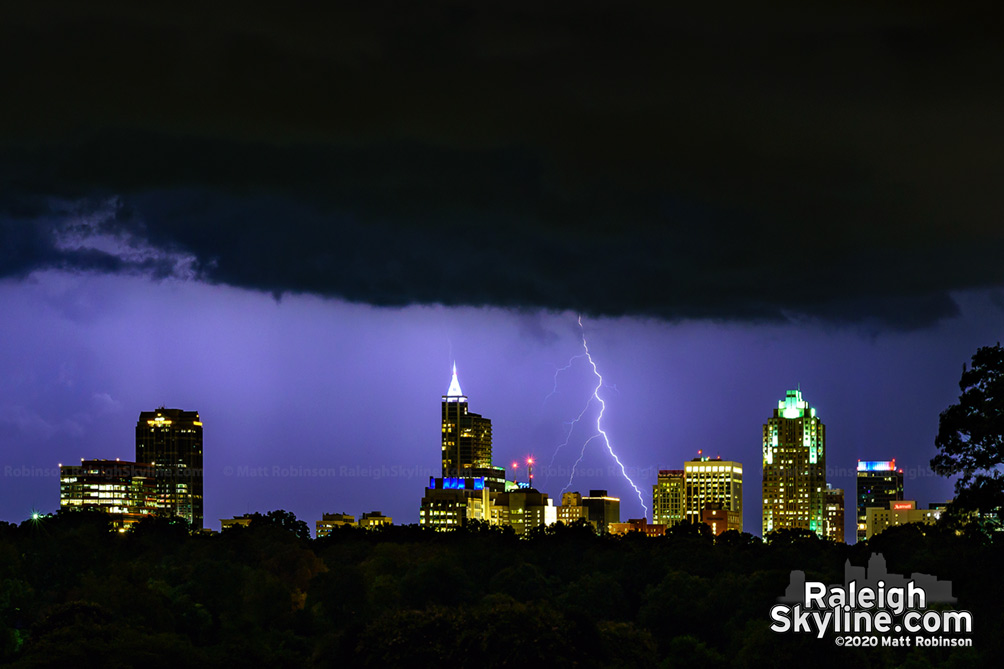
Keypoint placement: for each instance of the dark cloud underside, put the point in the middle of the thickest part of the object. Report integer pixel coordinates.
(721, 161)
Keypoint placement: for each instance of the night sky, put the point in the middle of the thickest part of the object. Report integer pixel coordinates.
(295, 222)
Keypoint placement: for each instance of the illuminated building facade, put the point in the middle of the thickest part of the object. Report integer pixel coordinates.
(878, 483)
(833, 505)
(638, 525)
(898, 512)
(720, 519)
(667, 498)
(794, 467)
(467, 437)
(715, 484)
(525, 509)
(236, 521)
(330, 521)
(571, 508)
(125, 490)
(598, 508)
(374, 519)
(602, 510)
(171, 440)
(451, 502)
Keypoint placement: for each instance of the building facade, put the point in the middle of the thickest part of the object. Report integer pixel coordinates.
(900, 512)
(467, 436)
(833, 504)
(525, 509)
(126, 491)
(638, 525)
(714, 484)
(878, 483)
(668, 498)
(602, 510)
(171, 441)
(374, 519)
(794, 467)
(330, 521)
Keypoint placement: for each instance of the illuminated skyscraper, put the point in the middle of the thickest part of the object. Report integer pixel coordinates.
(171, 440)
(667, 498)
(714, 484)
(878, 484)
(794, 467)
(467, 437)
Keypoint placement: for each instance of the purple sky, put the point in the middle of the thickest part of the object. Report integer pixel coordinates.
(309, 383)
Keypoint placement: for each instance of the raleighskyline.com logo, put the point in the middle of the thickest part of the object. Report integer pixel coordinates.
(873, 608)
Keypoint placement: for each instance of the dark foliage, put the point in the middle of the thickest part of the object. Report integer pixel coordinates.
(970, 437)
(74, 593)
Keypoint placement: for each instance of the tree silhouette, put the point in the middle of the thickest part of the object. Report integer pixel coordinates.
(970, 437)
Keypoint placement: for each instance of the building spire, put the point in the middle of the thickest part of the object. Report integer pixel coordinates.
(454, 390)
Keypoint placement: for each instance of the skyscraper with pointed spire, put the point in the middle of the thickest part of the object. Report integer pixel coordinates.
(467, 436)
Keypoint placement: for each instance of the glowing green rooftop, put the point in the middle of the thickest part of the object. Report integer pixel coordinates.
(793, 406)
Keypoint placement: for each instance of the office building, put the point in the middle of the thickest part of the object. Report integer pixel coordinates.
(794, 467)
(668, 498)
(171, 440)
(467, 436)
(598, 508)
(451, 502)
(374, 519)
(878, 483)
(898, 512)
(714, 484)
(720, 519)
(833, 506)
(638, 525)
(602, 510)
(571, 508)
(525, 509)
(124, 490)
(237, 521)
(330, 521)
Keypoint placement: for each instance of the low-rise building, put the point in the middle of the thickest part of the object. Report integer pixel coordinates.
(127, 491)
(898, 512)
(638, 525)
(330, 521)
(374, 519)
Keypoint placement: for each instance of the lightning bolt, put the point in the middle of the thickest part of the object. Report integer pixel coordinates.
(600, 432)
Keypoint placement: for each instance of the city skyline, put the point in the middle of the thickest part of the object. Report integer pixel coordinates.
(296, 224)
(454, 395)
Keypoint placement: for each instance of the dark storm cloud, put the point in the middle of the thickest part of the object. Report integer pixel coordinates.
(839, 162)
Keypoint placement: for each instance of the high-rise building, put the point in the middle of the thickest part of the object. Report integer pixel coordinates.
(467, 436)
(124, 490)
(715, 484)
(667, 498)
(794, 467)
(833, 504)
(878, 484)
(171, 440)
